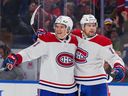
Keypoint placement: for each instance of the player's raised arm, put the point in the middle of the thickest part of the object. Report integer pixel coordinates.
(33, 52)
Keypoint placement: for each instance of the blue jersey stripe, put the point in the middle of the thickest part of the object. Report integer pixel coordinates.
(91, 79)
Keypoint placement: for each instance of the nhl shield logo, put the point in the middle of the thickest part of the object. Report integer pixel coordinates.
(81, 56)
(65, 59)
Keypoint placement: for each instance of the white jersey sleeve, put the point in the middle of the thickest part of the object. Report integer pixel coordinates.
(36, 50)
(110, 56)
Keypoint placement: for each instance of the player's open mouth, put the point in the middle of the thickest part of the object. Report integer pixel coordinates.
(91, 31)
(59, 33)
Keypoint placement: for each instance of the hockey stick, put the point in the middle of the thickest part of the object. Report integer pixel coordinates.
(32, 18)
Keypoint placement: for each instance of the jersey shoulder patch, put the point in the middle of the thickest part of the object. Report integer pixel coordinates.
(101, 40)
(77, 32)
(74, 40)
(49, 37)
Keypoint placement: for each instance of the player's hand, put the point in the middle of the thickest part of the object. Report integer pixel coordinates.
(38, 33)
(10, 62)
(118, 74)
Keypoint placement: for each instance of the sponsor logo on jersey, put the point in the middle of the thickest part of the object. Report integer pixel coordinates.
(65, 59)
(81, 56)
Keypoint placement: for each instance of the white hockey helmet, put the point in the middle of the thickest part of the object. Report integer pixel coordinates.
(66, 20)
(89, 18)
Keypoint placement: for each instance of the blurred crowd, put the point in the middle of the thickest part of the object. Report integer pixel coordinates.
(15, 17)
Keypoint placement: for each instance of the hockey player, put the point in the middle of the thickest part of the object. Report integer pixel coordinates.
(57, 52)
(93, 36)
(90, 56)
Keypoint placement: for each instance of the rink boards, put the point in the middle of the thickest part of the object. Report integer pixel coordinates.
(29, 88)
(18, 88)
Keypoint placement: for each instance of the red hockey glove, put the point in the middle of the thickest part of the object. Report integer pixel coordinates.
(11, 61)
(38, 33)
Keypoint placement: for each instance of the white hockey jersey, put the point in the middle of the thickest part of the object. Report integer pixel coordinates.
(90, 58)
(57, 62)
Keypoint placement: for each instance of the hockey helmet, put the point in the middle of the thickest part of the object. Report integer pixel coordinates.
(88, 19)
(66, 21)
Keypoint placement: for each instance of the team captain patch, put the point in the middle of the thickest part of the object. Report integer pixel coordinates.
(65, 59)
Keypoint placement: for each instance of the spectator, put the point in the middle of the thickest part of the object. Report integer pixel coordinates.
(9, 12)
(16, 73)
(86, 7)
(11, 18)
(108, 27)
(116, 41)
(109, 4)
(118, 23)
(124, 38)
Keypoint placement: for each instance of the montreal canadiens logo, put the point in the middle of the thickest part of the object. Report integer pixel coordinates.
(65, 59)
(81, 56)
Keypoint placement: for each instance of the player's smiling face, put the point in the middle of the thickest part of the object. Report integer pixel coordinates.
(60, 30)
(90, 29)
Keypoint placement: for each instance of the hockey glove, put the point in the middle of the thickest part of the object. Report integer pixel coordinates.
(34, 38)
(38, 33)
(10, 62)
(118, 73)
